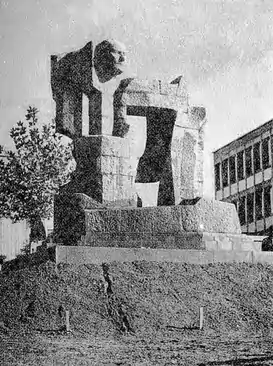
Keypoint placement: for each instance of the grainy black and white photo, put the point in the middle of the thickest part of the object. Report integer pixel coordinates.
(136, 170)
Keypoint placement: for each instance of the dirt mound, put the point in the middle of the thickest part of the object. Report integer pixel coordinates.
(138, 297)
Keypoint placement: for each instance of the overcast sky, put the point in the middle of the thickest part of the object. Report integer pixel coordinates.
(222, 47)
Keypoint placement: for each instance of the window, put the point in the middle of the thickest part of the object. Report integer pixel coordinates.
(250, 207)
(232, 170)
(240, 165)
(258, 204)
(217, 177)
(257, 157)
(225, 173)
(242, 210)
(265, 153)
(267, 201)
(248, 155)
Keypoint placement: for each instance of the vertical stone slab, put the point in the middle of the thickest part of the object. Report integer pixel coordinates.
(187, 155)
(188, 163)
(197, 117)
(95, 113)
(71, 76)
(184, 159)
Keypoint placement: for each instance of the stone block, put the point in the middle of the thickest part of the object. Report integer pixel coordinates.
(184, 155)
(109, 188)
(139, 220)
(109, 164)
(104, 221)
(183, 120)
(208, 236)
(98, 255)
(125, 166)
(143, 85)
(170, 221)
(139, 99)
(211, 245)
(70, 217)
(189, 241)
(210, 216)
(251, 245)
(244, 243)
(102, 145)
(166, 220)
(114, 146)
(226, 256)
(224, 244)
(263, 257)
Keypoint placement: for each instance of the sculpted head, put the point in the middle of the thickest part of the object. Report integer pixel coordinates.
(109, 59)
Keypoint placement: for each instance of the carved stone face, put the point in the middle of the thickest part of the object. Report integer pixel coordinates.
(109, 59)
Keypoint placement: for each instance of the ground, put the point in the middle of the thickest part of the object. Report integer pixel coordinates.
(192, 347)
(137, 314)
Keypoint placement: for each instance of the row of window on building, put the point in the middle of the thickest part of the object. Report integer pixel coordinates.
(254, 206)
(249, 161)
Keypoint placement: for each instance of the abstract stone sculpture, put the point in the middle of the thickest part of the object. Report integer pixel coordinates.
(108, 165)
(143, 135)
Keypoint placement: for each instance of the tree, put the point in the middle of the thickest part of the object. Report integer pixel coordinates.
(33, 173)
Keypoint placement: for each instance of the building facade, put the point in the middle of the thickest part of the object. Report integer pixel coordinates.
(243, 174)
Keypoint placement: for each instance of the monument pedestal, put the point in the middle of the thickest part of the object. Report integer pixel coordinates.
(199, 224)
(155, 145)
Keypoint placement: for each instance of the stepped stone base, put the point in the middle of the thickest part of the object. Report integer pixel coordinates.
(186, 240)
(90, 255)
(81, 221)
(197, 224)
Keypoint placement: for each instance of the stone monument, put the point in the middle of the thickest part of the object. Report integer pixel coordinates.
(139, 173)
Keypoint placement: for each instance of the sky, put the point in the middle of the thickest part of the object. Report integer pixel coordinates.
(223, 48)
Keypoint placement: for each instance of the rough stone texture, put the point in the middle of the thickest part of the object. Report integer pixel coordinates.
(74, 74)
(160, 109)
(71, 76)
(69, 217)
(210, 216)
(153, 93)
(144, 149)
(106, 169)
(174, 148)
(150, 226)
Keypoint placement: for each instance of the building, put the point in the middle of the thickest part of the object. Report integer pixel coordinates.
(243, 176)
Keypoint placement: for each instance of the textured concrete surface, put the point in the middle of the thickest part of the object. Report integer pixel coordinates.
(81, 219)
(210, 216)
(98, 255)
(183, 240)
(81, 255)
(190, 216)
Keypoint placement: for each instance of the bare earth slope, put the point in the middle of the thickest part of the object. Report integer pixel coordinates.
(140, 313)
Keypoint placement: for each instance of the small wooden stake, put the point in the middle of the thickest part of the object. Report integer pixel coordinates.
(201, 317)
(67, 324)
